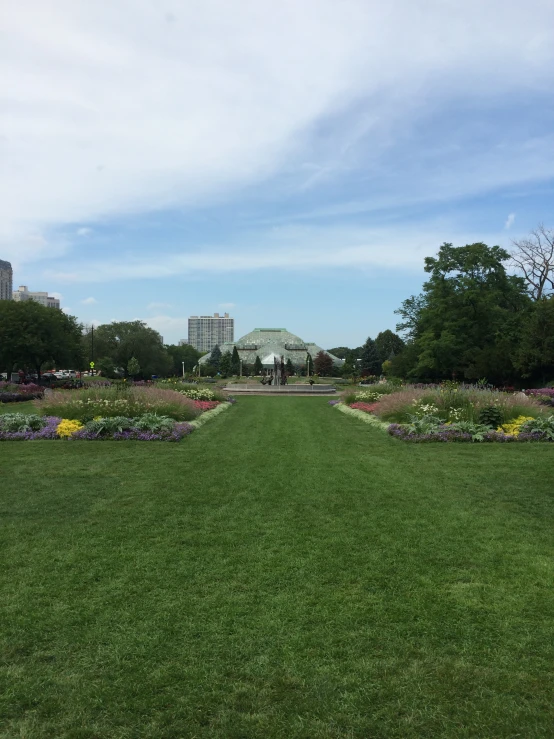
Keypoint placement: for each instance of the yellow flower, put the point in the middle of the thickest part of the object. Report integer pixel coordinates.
(514, 427)
(67, 427)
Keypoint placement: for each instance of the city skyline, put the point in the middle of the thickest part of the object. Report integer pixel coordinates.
(293, 166)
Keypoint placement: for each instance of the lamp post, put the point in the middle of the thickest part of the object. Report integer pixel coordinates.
(240, 360)
(183, 370)
(308, 365)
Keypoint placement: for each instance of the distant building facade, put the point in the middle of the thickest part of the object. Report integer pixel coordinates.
(23, 293)
(6, 280)
(206, 332)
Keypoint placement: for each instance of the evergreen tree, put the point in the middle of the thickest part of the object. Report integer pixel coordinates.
(225, 364)
(215, 359)
(258, 366)
(235, 362)
(289, 367)
(371, 362)
(388, 345)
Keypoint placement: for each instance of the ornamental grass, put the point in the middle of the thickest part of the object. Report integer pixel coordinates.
(107, 402)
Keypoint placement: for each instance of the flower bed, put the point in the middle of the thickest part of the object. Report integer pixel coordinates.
(147, 427)
(11, 392)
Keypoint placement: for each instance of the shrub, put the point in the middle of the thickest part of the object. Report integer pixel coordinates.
(14, 422)
(66, 428)
(544, 426)
(490, 415)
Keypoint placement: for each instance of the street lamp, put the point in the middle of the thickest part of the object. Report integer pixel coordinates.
(183, 369)
(240, 360)
(308, 365)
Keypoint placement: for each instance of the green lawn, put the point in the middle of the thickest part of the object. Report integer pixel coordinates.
(285, 572)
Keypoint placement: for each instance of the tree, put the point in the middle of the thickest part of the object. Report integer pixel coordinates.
(289, 367)
(388, 345)
(534, 257)
(31, 335)
(133, 367)
(180, 353)
(258, 366)
(466, 322)
(371, 363)
(323, 364)
(122, 340)
(235, 362)
(339, 351)
(215, 359)
(225, 364)
(534, 356)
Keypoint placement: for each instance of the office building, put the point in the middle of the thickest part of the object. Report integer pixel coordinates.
(205, 332)
(6, 280)
(23, 293)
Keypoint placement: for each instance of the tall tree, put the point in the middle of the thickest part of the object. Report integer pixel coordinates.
(323, 364)
(534, 258)
(133, 367)
(215, 359)
(31, 335)
(289, 367)
(258, 366)
(534, 355)
(465, 323)
(339, 351)
(226, 364)
(180, 353)
(235, 362)
(122, 340)
(388, 345)
(371, 362)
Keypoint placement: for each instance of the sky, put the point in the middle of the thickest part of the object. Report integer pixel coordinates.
(289, 163)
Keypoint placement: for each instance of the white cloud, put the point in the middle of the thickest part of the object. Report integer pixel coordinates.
(293, 248)
(113, 108)
(89, 301)
(510, 221)
(157, 306)
(227, 306)
(84, 231)
(59, 296)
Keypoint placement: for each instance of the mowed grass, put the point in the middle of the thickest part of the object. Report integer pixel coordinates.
(286, 571)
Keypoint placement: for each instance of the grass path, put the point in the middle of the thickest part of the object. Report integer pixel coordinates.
(284, 572)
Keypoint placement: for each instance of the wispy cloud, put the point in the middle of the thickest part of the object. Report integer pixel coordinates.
(510, 221)
(157, 306)
(227, 306)
(243, 95)
(89, 301)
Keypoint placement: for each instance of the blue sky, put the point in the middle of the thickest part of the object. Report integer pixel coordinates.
(290, 163)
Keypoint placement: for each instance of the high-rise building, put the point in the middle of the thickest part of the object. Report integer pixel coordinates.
(205, 332)
(6, 279)
(23, 293)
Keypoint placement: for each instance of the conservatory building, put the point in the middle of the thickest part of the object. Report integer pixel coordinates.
(270, 344)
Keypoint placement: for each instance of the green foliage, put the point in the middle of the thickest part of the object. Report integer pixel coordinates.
(31, 335)
(467, 321)
(543, 425)
(258, 366)
(490, 415)
(215, 360)
(133, 367)
(534, 356)
(235, 362)
(180, 353)
(120, 341)
(388, 345)
(14, 422)
(226, 364)
(153, 422)
(371, 362)
(289, 368)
